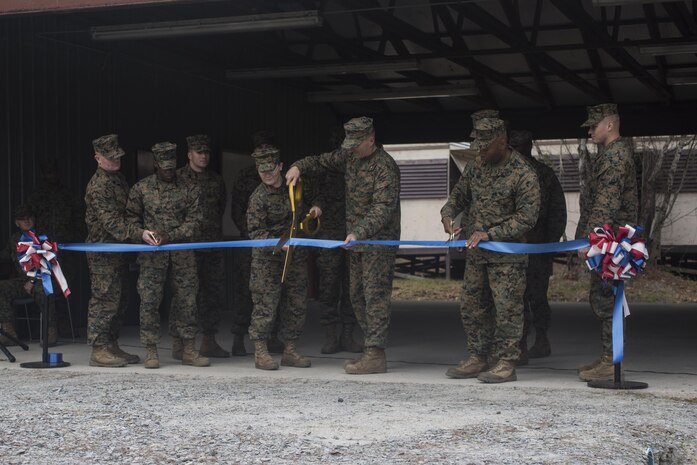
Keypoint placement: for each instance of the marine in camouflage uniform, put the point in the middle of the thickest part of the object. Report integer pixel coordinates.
(269, 215)
(372, 213)
(246, 182)
(164, 204)
(503, 195)
(550, 226)
(333, 267)
(61, 215)
(105, 197)
(21, 285)
(611, 198)
(210, 263)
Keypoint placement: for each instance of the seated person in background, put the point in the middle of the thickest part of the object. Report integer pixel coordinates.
(21, 285)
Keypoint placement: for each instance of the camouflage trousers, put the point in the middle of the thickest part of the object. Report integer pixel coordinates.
(273, 300)
(12, 289)
(493, 331)
(537, 311)
(602, 300)
(181, 268)
(334, 290)
(211, 290)
(371, 274)
(242, 296)
(109, 299)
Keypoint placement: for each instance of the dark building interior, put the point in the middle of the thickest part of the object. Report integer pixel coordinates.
(154, 70)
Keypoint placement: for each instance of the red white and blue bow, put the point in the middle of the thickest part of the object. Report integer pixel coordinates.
(617, 257)
(38, 258)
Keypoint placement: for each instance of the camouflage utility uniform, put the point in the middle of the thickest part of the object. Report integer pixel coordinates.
(550, 226)
(611, 199)
(269, 216)
(106, 197)
(170, 207)
(209, 262)
(503, 202)
(245, 184)
(334, 292)
(372, 212)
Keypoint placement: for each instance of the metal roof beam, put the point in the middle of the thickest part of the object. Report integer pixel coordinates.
(508, 35)
(373, 12)
(577, 13)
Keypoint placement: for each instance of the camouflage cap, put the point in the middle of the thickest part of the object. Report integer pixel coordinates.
(477, 115)
(21, 211)
(357, 129)
(598, 113)
(108, 147)
(165, 155)
(266, 158)
(199, 143)
(485, 130)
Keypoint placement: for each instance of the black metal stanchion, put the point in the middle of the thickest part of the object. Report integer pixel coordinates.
(55, 360)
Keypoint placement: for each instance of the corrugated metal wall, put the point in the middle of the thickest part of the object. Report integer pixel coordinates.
(59, 93)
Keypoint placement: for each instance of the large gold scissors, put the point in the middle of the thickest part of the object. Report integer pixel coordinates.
(295, 194)
(452, 231)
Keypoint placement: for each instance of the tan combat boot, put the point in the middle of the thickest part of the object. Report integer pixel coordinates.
(291, 358)
(262, 359)
(117, 351)
(603, 371)
(590, 366)
(238, 348)
(541, 347)
(152, 360)
(468, 368)
(210, 348)
(9, 328)
(372, 361)
(190, 356)
(331, 340)
(177, 348)
(503, 372)
(103, 357)
(347, 342)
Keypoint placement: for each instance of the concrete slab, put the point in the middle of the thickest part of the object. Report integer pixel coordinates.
(427, 337)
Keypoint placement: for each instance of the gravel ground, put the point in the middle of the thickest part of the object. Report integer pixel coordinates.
(66, 417)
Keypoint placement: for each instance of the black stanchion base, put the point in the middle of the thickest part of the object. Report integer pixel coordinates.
(44, 365)
(615, 385)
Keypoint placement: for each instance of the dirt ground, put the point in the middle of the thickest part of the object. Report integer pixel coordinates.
(653, 286)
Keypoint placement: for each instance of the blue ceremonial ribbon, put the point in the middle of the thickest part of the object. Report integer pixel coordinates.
(618, 325)
(504, 247)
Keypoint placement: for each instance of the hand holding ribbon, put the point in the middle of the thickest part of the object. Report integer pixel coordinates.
(38, 257)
